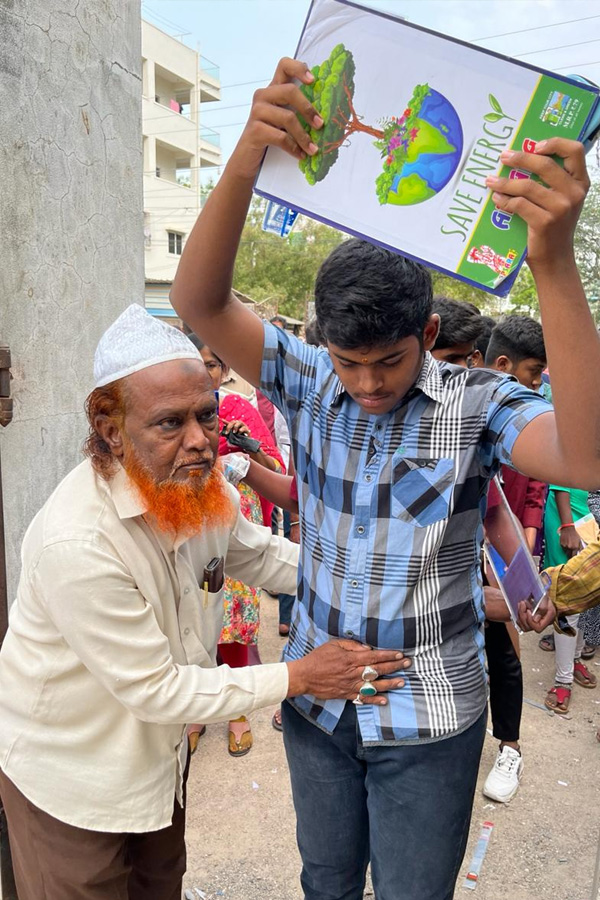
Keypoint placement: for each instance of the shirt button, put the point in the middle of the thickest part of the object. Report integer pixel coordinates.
(187, 590)
(354, 583)
(360, 529)
(378, 426)
(349, 634)
(368, 477)
(186, 630)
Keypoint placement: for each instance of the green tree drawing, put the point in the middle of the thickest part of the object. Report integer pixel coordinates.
(332, 95)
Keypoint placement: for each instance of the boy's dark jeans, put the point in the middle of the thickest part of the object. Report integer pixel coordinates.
(406, 809)
(506, 682)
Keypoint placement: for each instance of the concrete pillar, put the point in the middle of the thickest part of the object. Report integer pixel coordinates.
(149, 84)
(149, 155)
(71, 256)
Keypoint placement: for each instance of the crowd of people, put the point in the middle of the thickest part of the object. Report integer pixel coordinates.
(137, 610)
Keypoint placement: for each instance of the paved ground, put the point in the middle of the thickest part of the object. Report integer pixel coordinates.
(241, 843)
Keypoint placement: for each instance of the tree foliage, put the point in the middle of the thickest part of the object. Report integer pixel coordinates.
(279, 273)
(587, 247)
(331, 95)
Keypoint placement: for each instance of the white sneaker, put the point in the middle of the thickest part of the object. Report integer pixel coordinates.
(503, 781)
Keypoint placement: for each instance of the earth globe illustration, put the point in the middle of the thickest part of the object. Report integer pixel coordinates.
(433, 156)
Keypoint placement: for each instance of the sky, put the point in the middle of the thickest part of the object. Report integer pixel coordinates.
(246, 38)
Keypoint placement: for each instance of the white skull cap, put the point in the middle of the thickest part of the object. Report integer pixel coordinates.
(136, 340)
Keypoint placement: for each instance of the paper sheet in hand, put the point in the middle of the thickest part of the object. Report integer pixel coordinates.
(414, 123)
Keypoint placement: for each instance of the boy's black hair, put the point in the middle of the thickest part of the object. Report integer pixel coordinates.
(518, 338)
(460, 322)
(200, 345)
(366, 296)
(483, 340)
(313, 335)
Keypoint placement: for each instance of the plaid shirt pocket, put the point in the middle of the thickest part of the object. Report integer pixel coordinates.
(422, 489)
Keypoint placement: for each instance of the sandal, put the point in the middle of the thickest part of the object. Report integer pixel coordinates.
(276, 720)
(195, 732)
(588, 652)
(557, 699)
(240, 737)
(583, 676)
(547, 642)
(284, 630)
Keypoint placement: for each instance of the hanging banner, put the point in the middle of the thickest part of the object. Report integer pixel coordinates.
(278, 219)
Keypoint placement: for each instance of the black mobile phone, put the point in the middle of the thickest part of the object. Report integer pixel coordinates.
(245, 443)
(213, 575)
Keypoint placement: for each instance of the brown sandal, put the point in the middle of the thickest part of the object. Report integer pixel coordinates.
(240, 736)
(195, 732)
(583, 676)
(557, 699)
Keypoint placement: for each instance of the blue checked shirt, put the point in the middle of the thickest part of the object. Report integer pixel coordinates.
(391, 510)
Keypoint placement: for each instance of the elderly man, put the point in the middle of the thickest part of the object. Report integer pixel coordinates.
(112, 637)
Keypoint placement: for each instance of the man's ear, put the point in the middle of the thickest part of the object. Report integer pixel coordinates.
(110, 433)
(503, 364)
(431, 331)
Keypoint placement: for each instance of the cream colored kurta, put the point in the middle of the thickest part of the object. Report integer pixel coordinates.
(111, 650)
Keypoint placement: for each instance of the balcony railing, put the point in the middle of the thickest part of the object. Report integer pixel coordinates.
(210, 68)
(209, 134)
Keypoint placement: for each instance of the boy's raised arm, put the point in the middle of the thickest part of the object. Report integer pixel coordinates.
(563, 448)
(201, 293)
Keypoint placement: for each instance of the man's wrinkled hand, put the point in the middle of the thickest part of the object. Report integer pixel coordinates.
(334, 671)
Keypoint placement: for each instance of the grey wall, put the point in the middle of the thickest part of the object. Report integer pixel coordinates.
(71, 233)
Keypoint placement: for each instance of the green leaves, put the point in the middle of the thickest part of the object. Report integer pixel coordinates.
(494, 104)
(498, 111)
(328, 94)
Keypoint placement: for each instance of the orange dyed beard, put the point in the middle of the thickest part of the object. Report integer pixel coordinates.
(181, 508)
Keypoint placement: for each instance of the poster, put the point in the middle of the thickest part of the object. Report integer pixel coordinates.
(414, 123)
(508, 555)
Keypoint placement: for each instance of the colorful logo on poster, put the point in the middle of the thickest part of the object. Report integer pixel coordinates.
(486, 256)
(555, 108)
(420, 149)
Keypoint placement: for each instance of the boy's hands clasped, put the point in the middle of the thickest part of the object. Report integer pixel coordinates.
(336, 670)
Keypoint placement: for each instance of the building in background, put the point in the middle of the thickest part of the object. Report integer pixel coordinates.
(176, 80)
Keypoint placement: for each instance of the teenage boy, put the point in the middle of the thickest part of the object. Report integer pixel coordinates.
(393, 455)
(477, 359)
(461, 323)
(516, 347)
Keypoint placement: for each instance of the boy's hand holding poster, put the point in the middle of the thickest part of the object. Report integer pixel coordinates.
(414, 124)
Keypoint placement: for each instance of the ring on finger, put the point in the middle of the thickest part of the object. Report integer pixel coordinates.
(367, 689)
(358, 700)
(369, 674)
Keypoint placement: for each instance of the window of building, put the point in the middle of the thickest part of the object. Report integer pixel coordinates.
(175, 242)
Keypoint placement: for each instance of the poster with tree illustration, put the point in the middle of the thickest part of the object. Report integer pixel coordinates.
(414, 123)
